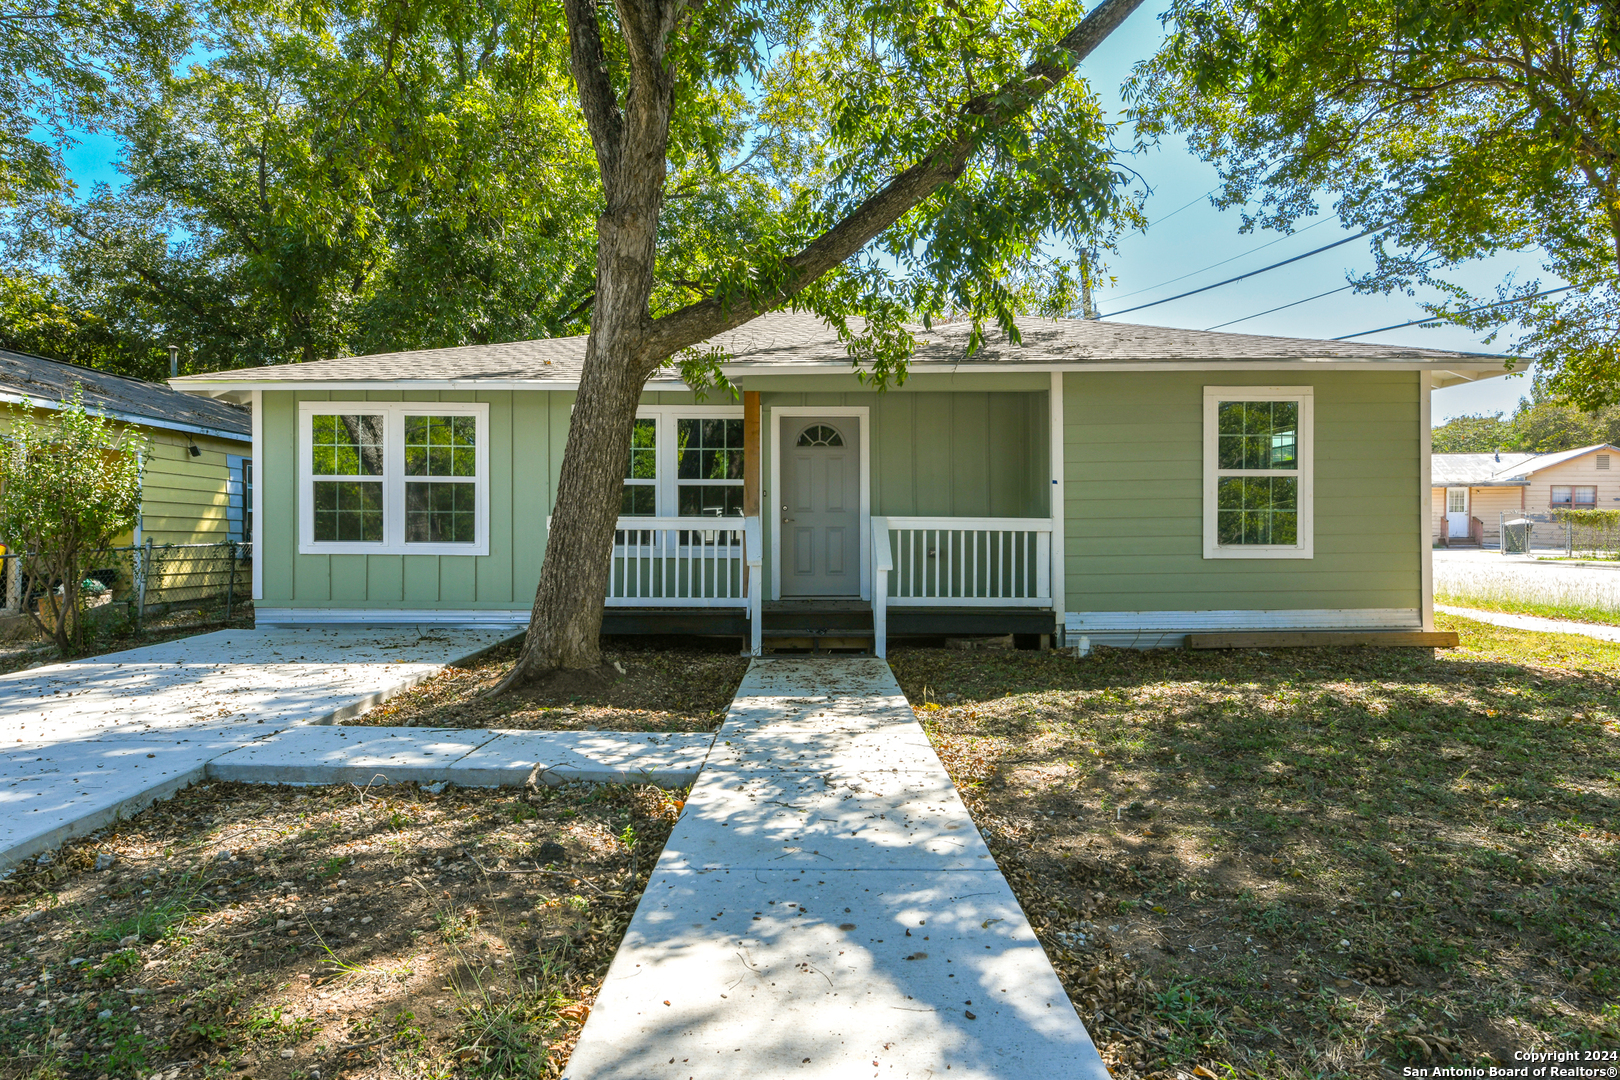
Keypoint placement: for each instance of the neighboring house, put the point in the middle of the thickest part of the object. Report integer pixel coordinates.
(1472, 492)
(1130, 483)
(195, 486)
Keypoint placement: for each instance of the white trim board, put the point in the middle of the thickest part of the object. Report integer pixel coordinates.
(286, 616)
(256, 404)
(864, 414)
(1186, 622)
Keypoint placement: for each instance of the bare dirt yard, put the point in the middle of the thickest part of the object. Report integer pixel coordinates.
(272, 933)
(1306, 863)
(663, 685)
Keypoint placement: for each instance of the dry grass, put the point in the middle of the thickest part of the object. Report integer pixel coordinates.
(274, 933)
(663, 686)
(1306, 863)
(1525, 588)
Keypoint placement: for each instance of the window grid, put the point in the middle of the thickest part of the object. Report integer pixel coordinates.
(348, 460)
(708, 467)
(640, 497)
(392, 479)
(1257, 437)
(1257, 472)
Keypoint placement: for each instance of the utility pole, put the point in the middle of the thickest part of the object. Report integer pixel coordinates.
(1088, 307)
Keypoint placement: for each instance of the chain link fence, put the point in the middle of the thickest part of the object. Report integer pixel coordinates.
(142, 583)
(1569, 534)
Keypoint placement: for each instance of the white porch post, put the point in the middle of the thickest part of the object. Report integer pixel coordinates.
(1059, 547)
(1425, 500)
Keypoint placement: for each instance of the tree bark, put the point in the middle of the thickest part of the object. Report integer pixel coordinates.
(626, 345)
(632, 149)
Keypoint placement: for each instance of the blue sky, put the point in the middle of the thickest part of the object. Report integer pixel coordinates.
(1198, 237)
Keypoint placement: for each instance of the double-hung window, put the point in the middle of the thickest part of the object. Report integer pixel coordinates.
(1575, 497)
(1257, 472)
(685, 461)
(393, 478)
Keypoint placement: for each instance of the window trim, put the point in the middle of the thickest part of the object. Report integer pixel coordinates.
(1306, 529)
(393, 477)
(665, 481)
(1573, 503)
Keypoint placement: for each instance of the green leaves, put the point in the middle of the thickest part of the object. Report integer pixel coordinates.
(70, 482)
(1461, 131)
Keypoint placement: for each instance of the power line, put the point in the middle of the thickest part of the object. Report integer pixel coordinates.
(1174, 212)
(1223, 262)
(1466, 311)
(1280, 307)
(1240, 277)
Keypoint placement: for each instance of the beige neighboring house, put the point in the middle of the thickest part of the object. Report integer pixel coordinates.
(1473, 491)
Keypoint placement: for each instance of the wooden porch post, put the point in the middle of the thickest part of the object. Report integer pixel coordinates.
(751, 461)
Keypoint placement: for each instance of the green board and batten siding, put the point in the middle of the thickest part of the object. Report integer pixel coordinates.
(1133, 463)
(959, 452)
(1133, 495)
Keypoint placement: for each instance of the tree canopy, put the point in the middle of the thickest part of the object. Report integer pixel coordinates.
(1452, 131)
(1538, 426)
(303, 183)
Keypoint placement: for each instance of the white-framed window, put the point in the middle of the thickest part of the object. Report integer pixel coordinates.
(1577, 497)
(1258, 452)
(685, 461)
(1456, 500)
(398, 477)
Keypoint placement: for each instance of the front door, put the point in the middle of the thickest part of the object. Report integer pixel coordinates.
(1457, 512)
(821, 506)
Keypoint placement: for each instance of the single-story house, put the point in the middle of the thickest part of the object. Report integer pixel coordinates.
(195, 489)
(1473, 492)
(1128, 483)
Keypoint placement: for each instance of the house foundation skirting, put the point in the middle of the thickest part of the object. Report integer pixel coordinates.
(1168, 629)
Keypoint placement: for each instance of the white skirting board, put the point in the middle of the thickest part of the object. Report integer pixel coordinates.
(1165, 629)
(270, 616)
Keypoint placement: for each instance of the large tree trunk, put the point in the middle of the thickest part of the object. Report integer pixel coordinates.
(626, 345)
(632, 148)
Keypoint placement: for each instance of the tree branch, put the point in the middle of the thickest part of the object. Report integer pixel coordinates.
(940, 166)
(587, 60)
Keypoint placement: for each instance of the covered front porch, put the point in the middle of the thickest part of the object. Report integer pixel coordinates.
(861, 517)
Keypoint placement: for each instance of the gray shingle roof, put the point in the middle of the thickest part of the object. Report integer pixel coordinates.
(792, 339)
(48, 381)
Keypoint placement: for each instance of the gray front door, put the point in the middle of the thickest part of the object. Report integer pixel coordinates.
(821, 506)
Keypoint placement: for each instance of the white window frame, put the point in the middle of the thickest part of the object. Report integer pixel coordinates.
(393, 477)
(668, 416)
(1304, 396)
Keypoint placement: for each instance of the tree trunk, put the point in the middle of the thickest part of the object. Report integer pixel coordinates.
(626, 345)
(632, 148)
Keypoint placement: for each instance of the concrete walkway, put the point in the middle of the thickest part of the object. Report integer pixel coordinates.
(85, 742)
(826, 908)
(1535, 622)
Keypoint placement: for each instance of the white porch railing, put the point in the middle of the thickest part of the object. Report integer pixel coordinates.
(682, 562)
(958, 562)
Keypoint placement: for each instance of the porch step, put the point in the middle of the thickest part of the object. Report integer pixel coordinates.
(802, 622)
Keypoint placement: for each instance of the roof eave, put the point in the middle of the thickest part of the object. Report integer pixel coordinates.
(138, 419)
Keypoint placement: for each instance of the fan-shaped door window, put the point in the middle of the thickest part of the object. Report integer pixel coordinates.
(820, 435)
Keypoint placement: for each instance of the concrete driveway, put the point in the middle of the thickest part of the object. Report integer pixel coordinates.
(86, 741)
